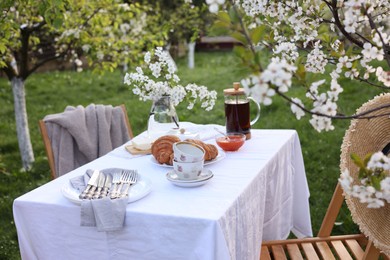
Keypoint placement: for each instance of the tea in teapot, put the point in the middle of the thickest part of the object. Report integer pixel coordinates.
(237, 111)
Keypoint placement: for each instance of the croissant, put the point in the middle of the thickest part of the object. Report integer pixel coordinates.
(162, 148)
(210, 149)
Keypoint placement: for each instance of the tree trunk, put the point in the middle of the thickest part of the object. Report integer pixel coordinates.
(22, 128)
(191, 55)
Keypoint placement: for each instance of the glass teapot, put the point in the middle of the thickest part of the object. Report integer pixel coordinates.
(237, 111)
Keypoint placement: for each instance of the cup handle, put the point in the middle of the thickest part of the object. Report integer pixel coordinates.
(258, 111)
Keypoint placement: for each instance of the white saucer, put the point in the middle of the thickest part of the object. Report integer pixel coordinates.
(204, 177)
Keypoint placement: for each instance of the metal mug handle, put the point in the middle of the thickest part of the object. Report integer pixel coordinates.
(258, 111)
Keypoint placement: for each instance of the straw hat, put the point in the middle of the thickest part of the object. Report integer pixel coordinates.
(366, 136)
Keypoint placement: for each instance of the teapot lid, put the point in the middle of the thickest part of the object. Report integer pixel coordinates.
(236, 90)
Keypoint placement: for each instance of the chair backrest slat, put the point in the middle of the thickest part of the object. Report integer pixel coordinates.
(48, 149)
(127, 121)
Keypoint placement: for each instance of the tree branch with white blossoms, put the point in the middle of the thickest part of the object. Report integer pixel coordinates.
(374, 186)
(325, 40)
(158, 78)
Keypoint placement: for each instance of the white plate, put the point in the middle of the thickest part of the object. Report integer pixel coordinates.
(136, 192)
(203, 178)
(221, 155)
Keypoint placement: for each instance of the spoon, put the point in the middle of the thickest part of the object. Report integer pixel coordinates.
(222, 133)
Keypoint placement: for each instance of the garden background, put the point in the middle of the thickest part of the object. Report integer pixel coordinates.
(50, 92)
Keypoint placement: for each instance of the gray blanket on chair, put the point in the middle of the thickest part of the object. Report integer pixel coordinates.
(80, 135)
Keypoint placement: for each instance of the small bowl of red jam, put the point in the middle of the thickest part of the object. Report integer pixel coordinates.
(231, 142)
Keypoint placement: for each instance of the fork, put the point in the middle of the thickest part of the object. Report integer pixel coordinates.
(133, 178)
(123, 179)
(115, 181)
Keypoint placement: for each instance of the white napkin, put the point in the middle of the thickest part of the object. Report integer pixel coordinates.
(105, 214)
(203, 132)
(206, 132)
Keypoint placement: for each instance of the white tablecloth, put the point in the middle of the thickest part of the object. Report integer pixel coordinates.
(259, 192)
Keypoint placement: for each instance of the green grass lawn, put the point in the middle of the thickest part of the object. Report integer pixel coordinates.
(51, 92)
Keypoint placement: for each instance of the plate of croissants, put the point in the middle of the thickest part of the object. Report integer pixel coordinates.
(162, 151)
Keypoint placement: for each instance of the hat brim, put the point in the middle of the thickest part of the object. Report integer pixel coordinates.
(368, 136)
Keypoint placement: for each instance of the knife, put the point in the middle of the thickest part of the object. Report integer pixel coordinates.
(107, 186)
(92, 181)
(100, 184)
(93, 188)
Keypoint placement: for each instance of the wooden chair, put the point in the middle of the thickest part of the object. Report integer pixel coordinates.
(47, 143)
(364, 136)
(324, 246)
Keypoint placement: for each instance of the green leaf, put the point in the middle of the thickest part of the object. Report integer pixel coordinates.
(220, 25)
(322, 6)
(367, 159)
(257, 34)
(362, 173)
(301, 72)
(233, 15)
(57, 2)
(3, 48)
(357, 160)
(376, 183)
(239, 37)
(224, 17)
(239, 51)
(256, 58)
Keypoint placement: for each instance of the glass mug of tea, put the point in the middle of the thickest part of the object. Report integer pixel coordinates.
(237, 111)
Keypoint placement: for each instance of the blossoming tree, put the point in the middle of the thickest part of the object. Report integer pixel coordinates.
(33, 33)
(315, 44)
(326, 38)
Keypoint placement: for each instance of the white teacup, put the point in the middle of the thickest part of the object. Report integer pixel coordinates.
(188, 170)
(188, 152)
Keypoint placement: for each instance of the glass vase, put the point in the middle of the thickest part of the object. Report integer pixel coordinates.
(162, 118)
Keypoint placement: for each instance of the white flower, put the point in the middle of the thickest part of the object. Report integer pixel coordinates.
(156, 69)
(86, 48)
(383, 76)
(296, 109)
(125, 6)
(278, 73)
(316, 60)
(256, 87)
(346, 180)
(344, 62)
(371, 52)
(165, 82)
(369, 70)
(100, 55)
(321, 123)
(365, 192)
(378, 160)
(78, 62)
(313, 90)
(214, 5)
(139, 70)
(147, 57)
(124, 27)
(353, 73)
(288, 50)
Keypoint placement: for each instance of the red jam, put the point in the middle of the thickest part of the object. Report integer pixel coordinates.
(232, 144)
